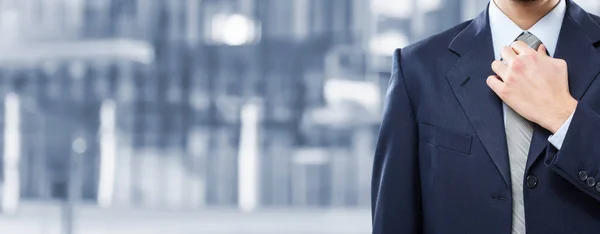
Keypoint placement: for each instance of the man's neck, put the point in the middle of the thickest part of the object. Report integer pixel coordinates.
(525, 13)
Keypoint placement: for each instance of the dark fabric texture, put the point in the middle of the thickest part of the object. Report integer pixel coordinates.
(441, 162)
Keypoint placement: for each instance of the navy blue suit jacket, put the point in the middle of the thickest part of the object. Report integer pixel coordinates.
(441, 162)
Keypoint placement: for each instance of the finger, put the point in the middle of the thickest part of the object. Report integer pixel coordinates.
(495, 84)
(508, 54)
(499, 68)
(520, 47)
(542, 50)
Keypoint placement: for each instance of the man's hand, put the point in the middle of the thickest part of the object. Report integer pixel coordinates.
(533, 84)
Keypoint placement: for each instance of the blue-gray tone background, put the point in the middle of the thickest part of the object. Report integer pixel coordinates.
(198, 116)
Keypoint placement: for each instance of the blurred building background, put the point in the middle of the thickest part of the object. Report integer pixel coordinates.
(198, 112)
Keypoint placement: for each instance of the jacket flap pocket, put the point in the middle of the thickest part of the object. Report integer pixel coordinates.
(445, 138)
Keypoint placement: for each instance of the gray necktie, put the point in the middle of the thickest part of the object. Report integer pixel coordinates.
(518, 137)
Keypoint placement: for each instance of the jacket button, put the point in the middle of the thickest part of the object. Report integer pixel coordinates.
(532, 181)
(591, 182)
(598, 187)
(582, 175)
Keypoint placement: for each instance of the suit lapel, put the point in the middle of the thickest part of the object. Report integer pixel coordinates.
(575, 45)
(468, 81)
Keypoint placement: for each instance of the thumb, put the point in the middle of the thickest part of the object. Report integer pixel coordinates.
(495, 84)
(542, 50)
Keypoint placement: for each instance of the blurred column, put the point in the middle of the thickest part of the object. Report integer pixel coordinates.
(108, 151)
(299, 184)
(223, 167)
(363, 25)
(122, 113)
(301, 19)
(363, 140)
(146, 17)
(309, 177)
(34, 156)
(174, 176)
(12, 153)
(279, 19)
(74, 18)
(41, 154)
(77, 88)
(276, 173)
(341, 21)
(192, 22)
(317, 16)
(199, 135)
(197, 150)
(79, 147)
(176, 19)
(341, 188)
(10, 22)
(248, 158)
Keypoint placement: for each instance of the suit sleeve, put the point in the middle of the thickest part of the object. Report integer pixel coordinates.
(395, 190)
(578, 160)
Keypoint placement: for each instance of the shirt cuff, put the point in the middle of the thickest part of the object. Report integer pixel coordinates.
(557, 138)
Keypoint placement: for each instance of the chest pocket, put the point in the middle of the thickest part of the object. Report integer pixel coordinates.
(445, 138)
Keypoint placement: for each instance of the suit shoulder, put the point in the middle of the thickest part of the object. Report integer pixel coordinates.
(595, 18)
(434, 44)
(430, 54)
(425, 60)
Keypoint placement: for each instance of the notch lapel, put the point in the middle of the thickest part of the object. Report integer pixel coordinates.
(576, 41)
(468, 81)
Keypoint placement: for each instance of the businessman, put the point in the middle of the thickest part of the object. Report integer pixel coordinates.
(493, 126)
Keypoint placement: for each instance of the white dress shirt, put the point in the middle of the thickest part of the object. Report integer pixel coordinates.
(505, 31)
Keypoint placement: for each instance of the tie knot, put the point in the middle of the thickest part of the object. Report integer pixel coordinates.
(529, 39)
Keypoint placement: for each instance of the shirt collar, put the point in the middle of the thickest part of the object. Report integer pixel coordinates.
(547, 29)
